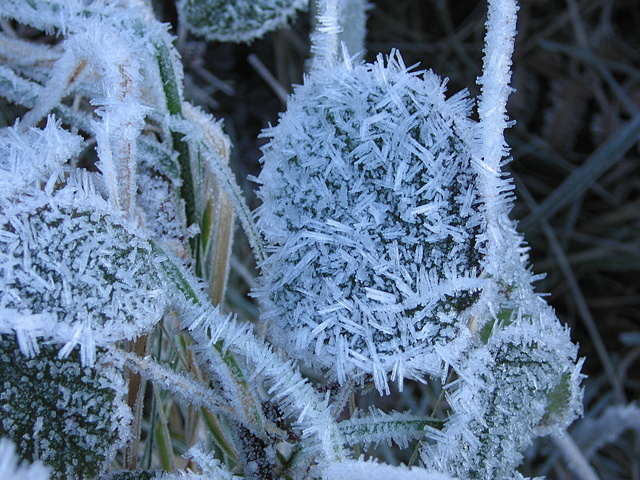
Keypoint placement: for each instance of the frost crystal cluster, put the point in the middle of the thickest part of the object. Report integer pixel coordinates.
(237, 20)
(80, 266)
(371, 210)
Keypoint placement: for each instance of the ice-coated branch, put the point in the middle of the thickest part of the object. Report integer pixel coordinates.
(495, 78)
(340, 31)
(576, 461)
(325, 40)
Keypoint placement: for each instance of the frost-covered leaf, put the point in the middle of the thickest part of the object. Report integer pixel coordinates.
(11, 468)
(237, 20)
(376, 427)
(392, 254)
(71, 259)
(70, 417)
(523, 384)
(370, 210)
(361, 470)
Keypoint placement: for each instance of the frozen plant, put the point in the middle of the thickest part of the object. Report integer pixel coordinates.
(384, 245)
(237, 20)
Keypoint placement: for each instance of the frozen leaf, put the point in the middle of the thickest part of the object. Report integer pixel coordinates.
(370, 210)
(70, 417)
(361, 470)
(70, 258)
(531, 363)
(377, 427)
(237, 20)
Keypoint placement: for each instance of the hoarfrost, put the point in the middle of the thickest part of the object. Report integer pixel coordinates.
(369, 164)
(12, 469)
(236, 20)
(72, 262)
(34, 157)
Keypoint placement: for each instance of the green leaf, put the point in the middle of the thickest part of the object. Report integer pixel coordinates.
(68, 416)
(236, 20)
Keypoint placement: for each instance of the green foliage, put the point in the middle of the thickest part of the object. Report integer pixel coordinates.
(236, 20)
(69, 416)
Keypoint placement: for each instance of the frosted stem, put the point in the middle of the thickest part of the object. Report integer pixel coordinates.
(325, 39)
(492, 106)
(573, 456)
(188, 388)
(209, 141)
(496, 74)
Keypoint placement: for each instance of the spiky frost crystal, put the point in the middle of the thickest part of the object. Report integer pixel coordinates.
(523, 383)
(392, 254)
(371, 214)
(237, 20)
(34, 158)
(11, 467)
(70, 417)
(75, 272)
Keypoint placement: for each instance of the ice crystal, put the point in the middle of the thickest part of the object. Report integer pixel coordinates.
(10, 468)
(68, 416)
(523, 384)
(237, 20)
(361, 470)
(34, 157)
(75, 272)
(370, 210)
